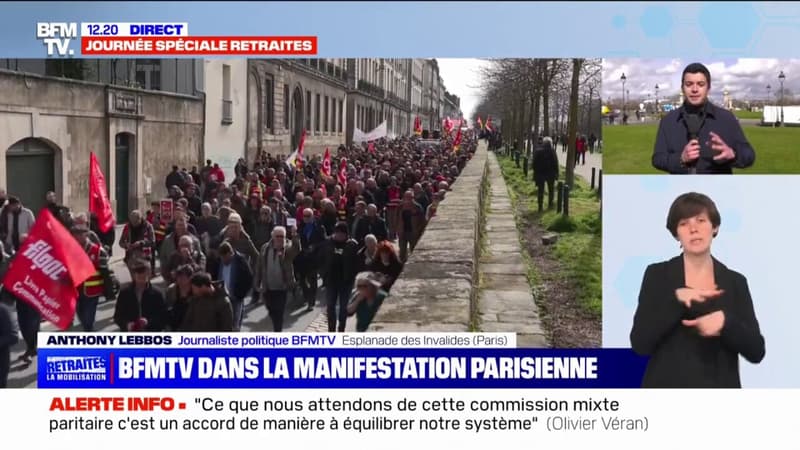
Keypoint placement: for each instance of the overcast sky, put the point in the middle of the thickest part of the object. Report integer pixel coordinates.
(460, 76)
(745, 79)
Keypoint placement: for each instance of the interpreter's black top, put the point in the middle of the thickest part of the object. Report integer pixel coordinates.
(673, 136)
(679, 356)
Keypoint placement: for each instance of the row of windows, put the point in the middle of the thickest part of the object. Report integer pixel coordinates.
(169, 75)
(328, 111)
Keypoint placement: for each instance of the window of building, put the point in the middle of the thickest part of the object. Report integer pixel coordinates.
(316, 114)
(325, 122)
(286, 106)
(308, 110)
(269, 103)
(227, 104)
(341, 114)
(148, 73)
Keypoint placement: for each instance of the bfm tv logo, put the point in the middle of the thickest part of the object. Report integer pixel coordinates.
(76, 368)
(57, 36)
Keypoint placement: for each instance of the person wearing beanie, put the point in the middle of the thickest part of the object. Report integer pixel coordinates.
(340, 269)
(140, 306)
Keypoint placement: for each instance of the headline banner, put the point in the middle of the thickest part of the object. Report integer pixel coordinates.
(395, 368)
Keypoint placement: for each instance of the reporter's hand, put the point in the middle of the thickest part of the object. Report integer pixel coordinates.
(690, 152)
(689, 295)
(723, 150)
(709, 325)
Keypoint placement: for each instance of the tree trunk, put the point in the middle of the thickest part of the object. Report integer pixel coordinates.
(546, 111)
(521, 124)
(536, 110)
(572, 122)
(531, 123)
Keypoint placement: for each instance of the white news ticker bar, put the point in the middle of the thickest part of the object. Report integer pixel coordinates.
(134, 29)
(277, 340)
(644, 419)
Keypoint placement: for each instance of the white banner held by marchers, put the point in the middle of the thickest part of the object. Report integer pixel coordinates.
(380, 132)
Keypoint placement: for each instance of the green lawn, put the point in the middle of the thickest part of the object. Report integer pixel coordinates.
(629, 149)
(749, 114)
(579, 247)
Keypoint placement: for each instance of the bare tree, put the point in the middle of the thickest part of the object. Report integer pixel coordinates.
(569, 177)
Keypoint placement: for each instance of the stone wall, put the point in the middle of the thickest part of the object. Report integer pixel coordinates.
(438, 288)
(75, 118)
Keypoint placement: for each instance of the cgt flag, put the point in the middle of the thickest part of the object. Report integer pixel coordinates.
(326, 163)
(98, 197)
(48, 268)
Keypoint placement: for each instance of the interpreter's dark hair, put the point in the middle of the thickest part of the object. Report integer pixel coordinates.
(689, 205)
(201, 279)
(13, 200)
(696, 68)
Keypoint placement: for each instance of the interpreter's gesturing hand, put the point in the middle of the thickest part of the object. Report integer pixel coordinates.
(709, 325)
(689, 295)
(690, 152)
(724, 151)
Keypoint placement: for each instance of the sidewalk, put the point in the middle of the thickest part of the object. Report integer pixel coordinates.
(505, 302)
(584, 171)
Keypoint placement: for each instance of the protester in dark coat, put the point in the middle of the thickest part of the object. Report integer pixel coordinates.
(9, 335)
(341, 266)
(140, 306)
(545, 170)
(209, 308)
(233, 270)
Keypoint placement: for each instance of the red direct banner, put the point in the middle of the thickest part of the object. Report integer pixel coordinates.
(48, 268)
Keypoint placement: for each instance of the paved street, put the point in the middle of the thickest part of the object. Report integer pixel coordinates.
(297, 320)
(584, 170)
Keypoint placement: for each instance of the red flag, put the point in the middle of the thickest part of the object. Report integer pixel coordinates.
(480, 123)
(48, 268)
(457, 140)
(489, 123)
(417, 125)
(343, 173)
(326, 163)
(371, 147)
(98, 197)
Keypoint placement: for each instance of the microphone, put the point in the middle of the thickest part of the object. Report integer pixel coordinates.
(693, 124)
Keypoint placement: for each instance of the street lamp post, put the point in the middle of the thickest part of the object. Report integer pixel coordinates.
(657, 110)
(781, 77)
(623, 78)
(769, 96)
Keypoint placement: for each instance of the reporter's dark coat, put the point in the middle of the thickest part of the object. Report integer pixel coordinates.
(679, 356)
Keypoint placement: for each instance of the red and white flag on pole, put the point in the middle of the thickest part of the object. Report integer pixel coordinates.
(47, 270)
(342, 176)
(326, 163)
(98, 196)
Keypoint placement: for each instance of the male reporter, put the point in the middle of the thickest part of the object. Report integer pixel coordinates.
(700, 137)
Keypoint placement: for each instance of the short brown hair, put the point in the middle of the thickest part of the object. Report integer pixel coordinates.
(689, 205)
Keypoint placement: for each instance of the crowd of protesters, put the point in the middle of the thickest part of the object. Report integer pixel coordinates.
(283, 227)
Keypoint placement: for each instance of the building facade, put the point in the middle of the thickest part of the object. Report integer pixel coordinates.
(417, 69)
(140, 117)
(452, 106)
(224, 84)
(431, 97)
(330, 99)
(286, 97)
